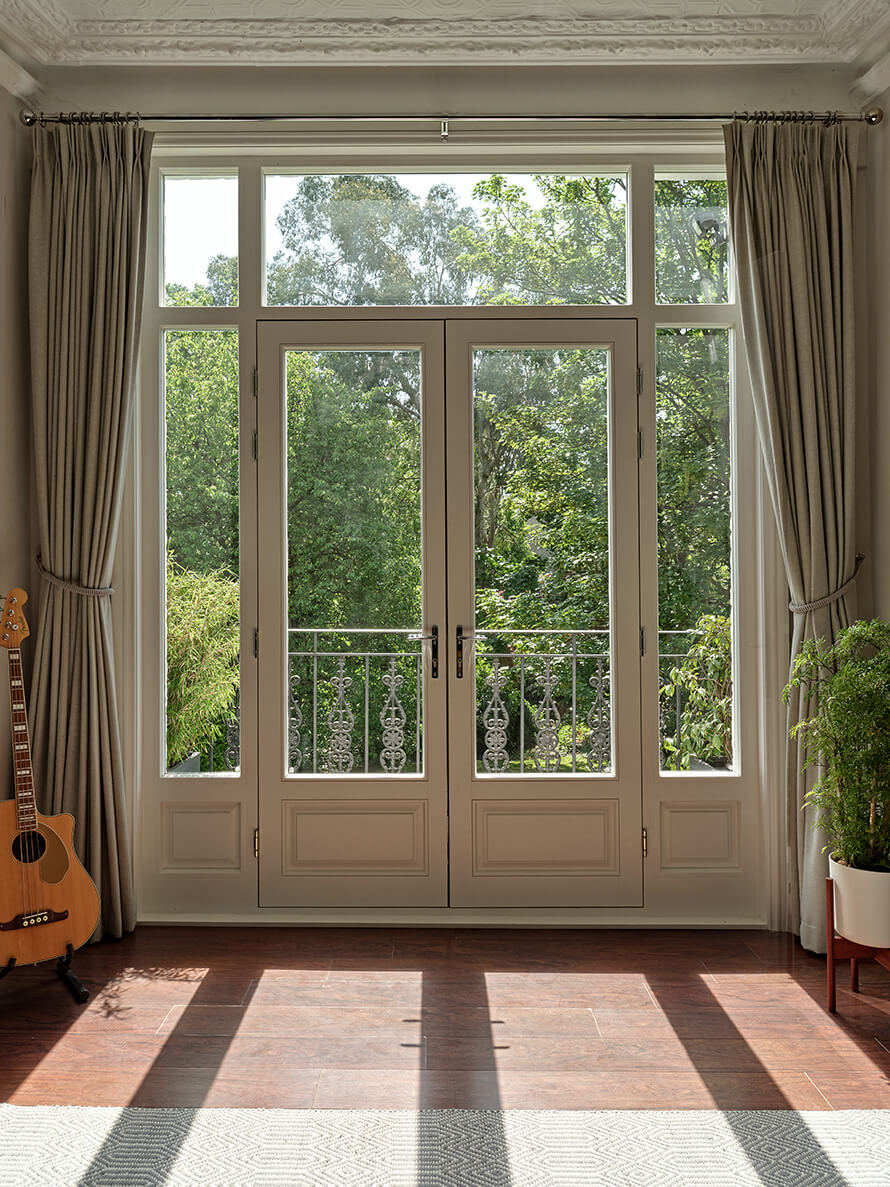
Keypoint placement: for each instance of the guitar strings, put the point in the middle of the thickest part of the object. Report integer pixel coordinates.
(28, 842)
(13, 675)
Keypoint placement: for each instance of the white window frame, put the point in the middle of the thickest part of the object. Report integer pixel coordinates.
(228, 890)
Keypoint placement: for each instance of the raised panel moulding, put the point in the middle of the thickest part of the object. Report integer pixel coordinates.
(545, 838)
(700, 835)
(354, 837)
(200, 838)
(534, 41)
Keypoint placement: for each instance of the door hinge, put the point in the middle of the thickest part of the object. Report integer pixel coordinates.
(256, 642)
(256, 842)
(642, 640)
(645, 842)
(253, 445)
(256, 383)
(639, 381)
(639, 443)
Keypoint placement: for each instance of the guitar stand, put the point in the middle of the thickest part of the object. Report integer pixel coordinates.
(72, 982)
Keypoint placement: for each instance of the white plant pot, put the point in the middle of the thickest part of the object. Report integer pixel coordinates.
(861, 904)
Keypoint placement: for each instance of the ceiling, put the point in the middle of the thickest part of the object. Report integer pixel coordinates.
(444, 32)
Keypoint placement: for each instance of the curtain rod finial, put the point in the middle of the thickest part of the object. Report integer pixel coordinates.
(28, 118)
(874, 116)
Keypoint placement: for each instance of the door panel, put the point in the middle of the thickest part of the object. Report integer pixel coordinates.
(352, 709)
(544, 707)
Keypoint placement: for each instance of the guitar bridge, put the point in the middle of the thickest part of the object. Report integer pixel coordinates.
(32, 919)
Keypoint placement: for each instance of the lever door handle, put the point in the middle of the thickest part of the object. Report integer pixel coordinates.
(433, 639)
(460, 637)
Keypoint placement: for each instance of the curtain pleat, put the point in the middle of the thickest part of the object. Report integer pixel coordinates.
(89, 198)
(791, 204)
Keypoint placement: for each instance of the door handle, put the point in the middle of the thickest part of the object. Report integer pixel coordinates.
(460, 636)
(433, 639)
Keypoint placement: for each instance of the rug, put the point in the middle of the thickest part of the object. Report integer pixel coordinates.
(105, 1147)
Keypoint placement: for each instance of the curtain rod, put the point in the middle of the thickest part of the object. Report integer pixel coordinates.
(873, 116)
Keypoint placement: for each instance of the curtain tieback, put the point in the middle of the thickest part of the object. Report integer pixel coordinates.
(85, 591)
(806, 607)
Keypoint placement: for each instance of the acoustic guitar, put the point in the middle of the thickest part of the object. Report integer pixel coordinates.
(47, 899)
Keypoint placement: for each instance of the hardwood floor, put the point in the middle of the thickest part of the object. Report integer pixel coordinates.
(446, 1018)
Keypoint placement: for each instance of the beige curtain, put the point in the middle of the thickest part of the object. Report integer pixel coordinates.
(87, 252)
(791, 204)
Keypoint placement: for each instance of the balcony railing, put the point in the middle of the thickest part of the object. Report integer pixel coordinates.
(542, 703)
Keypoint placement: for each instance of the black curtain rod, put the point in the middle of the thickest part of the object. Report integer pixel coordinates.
(873, 116)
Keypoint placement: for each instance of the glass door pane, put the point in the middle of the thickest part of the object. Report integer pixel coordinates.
(544, 613)
(354, 562)
(541, 548)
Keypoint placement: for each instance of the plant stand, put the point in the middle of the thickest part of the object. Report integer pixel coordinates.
(840, 948)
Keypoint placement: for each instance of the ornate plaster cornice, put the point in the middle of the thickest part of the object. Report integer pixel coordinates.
(356, 42)
(15, 79)
(837, 32)
(876, 80)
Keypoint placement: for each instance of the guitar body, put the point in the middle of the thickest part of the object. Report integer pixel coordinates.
(41, 875)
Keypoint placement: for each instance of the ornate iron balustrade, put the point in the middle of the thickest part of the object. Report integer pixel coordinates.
(543, 709)
(565, 725)
(672, 720)
(354, 709)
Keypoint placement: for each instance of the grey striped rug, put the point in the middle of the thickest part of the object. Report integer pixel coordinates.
(62, 1146)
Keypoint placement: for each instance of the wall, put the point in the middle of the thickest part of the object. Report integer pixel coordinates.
(878, 321)
(15, 548)
(369, 90)
(569, 89)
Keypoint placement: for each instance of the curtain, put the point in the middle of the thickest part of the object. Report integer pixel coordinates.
(791, 206)
(86, 266)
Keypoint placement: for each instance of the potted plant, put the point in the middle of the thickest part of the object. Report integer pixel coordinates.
(848, 735)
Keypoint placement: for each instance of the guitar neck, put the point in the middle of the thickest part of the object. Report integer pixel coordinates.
(26, 810)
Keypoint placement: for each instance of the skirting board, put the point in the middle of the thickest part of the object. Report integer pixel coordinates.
(445, 917)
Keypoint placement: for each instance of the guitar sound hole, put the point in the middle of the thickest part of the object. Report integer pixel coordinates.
(28, 847)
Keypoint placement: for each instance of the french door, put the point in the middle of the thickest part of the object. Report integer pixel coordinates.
(448, 645)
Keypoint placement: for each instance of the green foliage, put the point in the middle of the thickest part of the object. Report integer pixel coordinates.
(691, 241)
(846, 687)
(201, 389)
(202, 658)
(692, 411)
(570, 250)
(704, 681)
(366, 240)
(353, 491)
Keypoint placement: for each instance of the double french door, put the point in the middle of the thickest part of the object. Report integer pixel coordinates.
(449, 659)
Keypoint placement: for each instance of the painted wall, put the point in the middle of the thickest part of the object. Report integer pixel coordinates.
(877, 318)
(390, 90)
(15, 548)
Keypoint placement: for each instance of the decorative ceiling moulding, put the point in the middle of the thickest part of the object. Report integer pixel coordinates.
(875, 81)
(17, 81)
(531, 41)
(860, 30)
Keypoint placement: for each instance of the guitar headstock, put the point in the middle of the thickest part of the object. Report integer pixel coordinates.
(13, 628)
